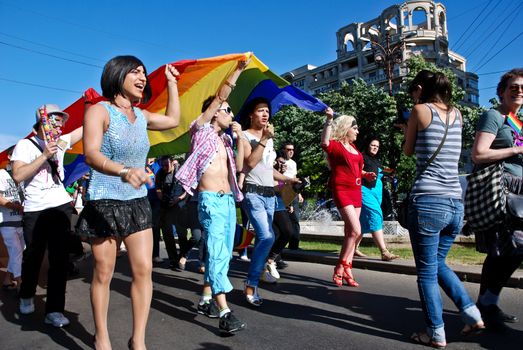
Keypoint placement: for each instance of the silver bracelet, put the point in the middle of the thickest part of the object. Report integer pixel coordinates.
(124, 172)
(328, 122)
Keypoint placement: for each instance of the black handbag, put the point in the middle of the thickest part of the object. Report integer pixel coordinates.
(403, 207)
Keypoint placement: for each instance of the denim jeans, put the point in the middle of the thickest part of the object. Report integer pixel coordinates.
(434, 223)
(217, 213)
(260, 211)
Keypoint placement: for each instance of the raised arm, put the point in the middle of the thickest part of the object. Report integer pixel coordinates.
(223, 93)
(76, 135)
(327, 127)
(95, 123)
(171, 119)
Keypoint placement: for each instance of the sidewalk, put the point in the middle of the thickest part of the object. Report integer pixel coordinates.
(466, 273)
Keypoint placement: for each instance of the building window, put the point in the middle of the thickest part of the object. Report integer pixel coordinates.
(473, 84)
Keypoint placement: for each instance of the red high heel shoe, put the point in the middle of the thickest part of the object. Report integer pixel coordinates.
(337, 278)
(347, 275)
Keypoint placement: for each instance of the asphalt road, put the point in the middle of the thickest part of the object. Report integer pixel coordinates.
(305, 310)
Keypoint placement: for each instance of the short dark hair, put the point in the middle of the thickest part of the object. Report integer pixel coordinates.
(114, 73)
(251, 105)
(502, 85)
(437, 86)
(249, 108)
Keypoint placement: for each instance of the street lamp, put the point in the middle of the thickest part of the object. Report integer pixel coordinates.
(387, 54)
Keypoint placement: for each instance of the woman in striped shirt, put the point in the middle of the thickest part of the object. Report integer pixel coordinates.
(436, 208)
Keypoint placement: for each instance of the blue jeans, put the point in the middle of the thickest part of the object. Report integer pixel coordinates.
(434, 223)
(260, 211)
(217, 214)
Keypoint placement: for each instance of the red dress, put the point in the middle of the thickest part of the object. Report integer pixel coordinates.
(345, 179)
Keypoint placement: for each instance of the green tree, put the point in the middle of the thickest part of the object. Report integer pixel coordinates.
(302, 128)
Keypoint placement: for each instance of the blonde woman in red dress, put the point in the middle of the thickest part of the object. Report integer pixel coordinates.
(346, 163)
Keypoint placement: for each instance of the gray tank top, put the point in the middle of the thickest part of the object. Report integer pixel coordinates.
(440, 178)
(262, 173)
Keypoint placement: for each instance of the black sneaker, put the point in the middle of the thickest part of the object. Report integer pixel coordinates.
(280, 263)
(493, 312)
(493, 317)
(209, 309)
(230, 324)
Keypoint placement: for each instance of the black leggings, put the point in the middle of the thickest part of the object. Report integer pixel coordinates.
(283, 229)
(47, 229)
(498, 269)
(496, 272)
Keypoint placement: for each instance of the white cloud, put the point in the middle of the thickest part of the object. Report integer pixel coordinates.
(7, 140)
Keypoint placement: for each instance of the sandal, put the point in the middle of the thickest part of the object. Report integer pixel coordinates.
(475, 329)
(359, 254)
(386, 255)
(347, 275)
(423, 338)
(254, 299)
(336, 277)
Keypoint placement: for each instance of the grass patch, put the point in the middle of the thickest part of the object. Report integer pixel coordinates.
(458, 255)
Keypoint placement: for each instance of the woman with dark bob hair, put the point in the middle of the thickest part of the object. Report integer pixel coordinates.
(436, 207)
(116, 146)
(497, 141)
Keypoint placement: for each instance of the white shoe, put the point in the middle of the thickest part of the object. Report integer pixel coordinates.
(244, 258)
(271, 267)
(267, 277)
(57, 319)
(27, 306)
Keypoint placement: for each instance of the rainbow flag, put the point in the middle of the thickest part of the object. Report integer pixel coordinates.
(199, 79)
(202, 78)
(516, 125)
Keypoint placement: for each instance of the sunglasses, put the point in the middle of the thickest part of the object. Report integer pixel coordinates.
(228, 110)
(289, 149)
(516, 88)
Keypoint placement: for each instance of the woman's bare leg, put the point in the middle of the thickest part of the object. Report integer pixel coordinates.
(139, 250)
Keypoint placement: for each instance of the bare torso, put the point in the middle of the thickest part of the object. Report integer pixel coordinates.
(216, 177)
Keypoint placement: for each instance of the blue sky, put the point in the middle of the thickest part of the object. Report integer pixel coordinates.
(63, 45)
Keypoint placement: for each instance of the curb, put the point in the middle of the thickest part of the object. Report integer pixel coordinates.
(465, 273)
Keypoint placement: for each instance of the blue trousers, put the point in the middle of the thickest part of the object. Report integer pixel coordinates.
(217, 214)
(434, 223)
(260, 210)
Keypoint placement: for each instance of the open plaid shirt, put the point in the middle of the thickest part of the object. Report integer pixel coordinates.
(204, 147)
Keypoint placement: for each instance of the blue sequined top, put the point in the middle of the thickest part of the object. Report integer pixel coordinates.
(123, 143)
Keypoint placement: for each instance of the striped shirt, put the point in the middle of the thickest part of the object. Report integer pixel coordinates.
(204, 147)
(440, 178)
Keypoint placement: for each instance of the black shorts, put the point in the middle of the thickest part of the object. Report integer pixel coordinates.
(114, 218)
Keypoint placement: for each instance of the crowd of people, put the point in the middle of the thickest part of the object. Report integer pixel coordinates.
(131, 199)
